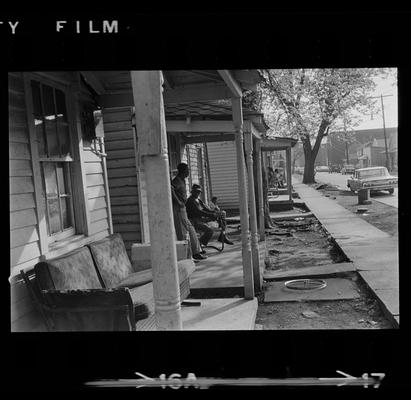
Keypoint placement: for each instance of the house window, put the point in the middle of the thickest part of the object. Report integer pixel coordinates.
(54, 148)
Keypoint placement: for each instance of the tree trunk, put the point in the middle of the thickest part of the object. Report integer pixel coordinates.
(310, 153)
(309, 169)
(309, 160)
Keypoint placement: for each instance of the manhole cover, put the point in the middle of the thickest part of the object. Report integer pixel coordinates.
(305, 284)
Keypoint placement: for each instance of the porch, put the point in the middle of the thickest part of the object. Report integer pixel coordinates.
(126, 168)
(280, 199)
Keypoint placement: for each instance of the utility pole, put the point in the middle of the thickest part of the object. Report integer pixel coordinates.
(346, 143)
(346, 152)
(383, 122)
(387, 164)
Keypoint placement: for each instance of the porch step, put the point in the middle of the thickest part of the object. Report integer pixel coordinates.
(221, 314)
(213, 314)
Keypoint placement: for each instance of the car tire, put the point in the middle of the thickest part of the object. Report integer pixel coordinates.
(391, 191)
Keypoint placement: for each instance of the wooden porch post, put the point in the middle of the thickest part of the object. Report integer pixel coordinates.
(152, 153)
(289, 180)
(242, 191)
(260, 190)
(248, 139)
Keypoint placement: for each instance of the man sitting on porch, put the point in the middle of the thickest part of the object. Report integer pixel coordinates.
(181, 221)
(199, 214)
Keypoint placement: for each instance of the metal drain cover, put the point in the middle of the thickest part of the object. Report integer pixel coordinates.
(305, 284)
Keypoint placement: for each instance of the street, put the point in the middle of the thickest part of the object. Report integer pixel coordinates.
(341, 181)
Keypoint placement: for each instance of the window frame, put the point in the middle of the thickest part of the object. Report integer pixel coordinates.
(55, 160)
(80, 215)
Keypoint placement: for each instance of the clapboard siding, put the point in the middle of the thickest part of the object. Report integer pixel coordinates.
(120, 163)
(124, 200)
(21, 184)
(96, 192)
(94, 180)
(93, 168)
(126, 227)
(223, 171)
(130, 181)
(121, 144)
(114, 136)
(19, 151)
(21, 236)
(23, 253)
(24, 238)
(122, 174)
(25, 250)
(19, 134)
(97, 203)
(20, 168)
(97, 215)
(98, 226)
(20, 202)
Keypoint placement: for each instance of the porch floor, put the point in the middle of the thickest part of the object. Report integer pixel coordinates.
(220, 270)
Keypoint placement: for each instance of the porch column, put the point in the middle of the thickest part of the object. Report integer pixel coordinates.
(248, 139)
(152, 154)
(242, 191)
(260, 190)
(289, 183)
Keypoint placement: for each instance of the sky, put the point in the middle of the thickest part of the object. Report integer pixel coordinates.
(384, 87)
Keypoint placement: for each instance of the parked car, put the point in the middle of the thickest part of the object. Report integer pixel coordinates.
(335, 168)
(348, 169)
(299, 170)
(374, 178)
(322, 168)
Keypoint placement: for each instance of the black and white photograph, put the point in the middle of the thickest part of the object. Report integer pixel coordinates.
(219, 196)
(204, 199)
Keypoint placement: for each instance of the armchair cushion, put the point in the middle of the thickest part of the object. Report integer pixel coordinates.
(72, 271)
(111, 259)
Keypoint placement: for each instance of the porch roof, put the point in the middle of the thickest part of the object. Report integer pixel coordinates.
(209, 121)
(277, 143)
(218, 110)
(114, 88)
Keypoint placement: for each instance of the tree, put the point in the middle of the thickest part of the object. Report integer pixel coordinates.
(311, 103)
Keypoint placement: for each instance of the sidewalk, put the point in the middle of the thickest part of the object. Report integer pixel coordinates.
(373, 252)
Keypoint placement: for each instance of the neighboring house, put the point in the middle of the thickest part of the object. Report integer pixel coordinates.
(371, 154)
(338, 148)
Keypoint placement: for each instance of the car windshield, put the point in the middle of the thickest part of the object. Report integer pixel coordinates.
(372, 173)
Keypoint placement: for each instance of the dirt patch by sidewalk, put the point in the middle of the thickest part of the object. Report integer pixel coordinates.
(380, 215)
(303, 242)
(362, 313)
(299, 243)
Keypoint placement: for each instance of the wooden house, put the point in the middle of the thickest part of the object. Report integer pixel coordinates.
(91, 153)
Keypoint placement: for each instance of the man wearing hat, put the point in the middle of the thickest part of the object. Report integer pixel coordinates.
(181, 221)
(198, 213)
